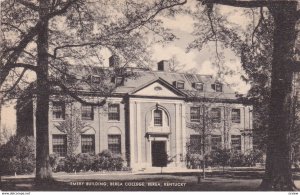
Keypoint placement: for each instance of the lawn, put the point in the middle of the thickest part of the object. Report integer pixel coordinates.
(217, 180)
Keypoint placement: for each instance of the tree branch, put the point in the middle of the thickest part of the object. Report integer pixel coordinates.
(29, 5)
(12, 58)
(74, 94)
(13, 26)
(63, 9)
(258, 24)
(23, 65)
(16, 83)
(236, 3)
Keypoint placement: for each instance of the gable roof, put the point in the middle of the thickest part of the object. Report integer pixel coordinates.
(141, 78)
(162, 82)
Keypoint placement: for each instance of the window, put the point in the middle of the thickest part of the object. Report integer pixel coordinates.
(87, 112)
(88, 144)
(119, 81)
(114, 144)
(195, 114)
(236, 115)
(199, 86)
(157, 117)
(216, 141)
(216, 115)
(96, 79)
(180, 84)
(236, 142)
(114, 112)
(195, 144)
(217, 87)
(58, 110)
(59, 145)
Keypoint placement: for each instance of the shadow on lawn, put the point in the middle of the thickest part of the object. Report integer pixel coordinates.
(229, 174)
(209, 185)
(230, 180)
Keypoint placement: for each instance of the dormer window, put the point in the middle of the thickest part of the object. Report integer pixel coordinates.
(218, 87)
(119, 81)
(95, 79)
(199, 86)
(179, 84)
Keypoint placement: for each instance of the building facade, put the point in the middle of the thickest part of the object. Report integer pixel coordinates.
(152, 113)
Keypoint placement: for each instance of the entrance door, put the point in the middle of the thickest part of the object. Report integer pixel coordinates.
(159, 154)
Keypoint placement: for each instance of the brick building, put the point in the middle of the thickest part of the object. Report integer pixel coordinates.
(148, 114)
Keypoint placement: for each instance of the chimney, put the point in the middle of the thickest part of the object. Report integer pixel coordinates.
(113, 61)
(163, 65)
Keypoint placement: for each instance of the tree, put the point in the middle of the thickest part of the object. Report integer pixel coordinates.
(45, 37)
(73, 127)
(278, 174)
(174, 65)
(204, 127)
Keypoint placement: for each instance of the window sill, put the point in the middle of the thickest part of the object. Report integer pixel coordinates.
(87, 119)
(113, 121)
(58, 120)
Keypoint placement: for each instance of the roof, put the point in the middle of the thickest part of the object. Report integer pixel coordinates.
(143, 77)
(140, 78)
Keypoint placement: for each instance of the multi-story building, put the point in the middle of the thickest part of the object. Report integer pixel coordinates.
(149, 114)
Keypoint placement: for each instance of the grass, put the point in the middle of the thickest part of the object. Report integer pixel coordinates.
(230, 180)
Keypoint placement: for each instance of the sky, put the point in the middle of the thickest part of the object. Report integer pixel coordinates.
(198, 61)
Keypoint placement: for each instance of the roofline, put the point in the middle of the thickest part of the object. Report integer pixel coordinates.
(156, 97)
(159, 79)
(223, 100)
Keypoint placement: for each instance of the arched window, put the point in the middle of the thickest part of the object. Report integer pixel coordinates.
(158, 117)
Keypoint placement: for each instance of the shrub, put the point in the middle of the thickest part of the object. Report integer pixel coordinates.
(255, 156)
(194, 161)
(106, 161)
(220, 157)
(18, 155)
(70, 163)
(84, 162)
(117, 163)
(54, 161)
(237, 159)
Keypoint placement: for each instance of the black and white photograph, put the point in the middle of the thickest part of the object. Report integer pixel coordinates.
(149, 95)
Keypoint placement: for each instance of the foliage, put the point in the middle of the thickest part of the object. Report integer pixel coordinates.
(57, 163)
(106, 161)
(5, 133)
(73, 127)
(84, 162)
(70, 163)
(220, 157)
(48, 37)
(237, 159)
(194, 161)
(18, 156)
(54, 161)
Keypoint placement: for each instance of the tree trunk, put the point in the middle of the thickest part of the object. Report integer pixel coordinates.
(278, 174)
(43, 168)
(203, 140)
